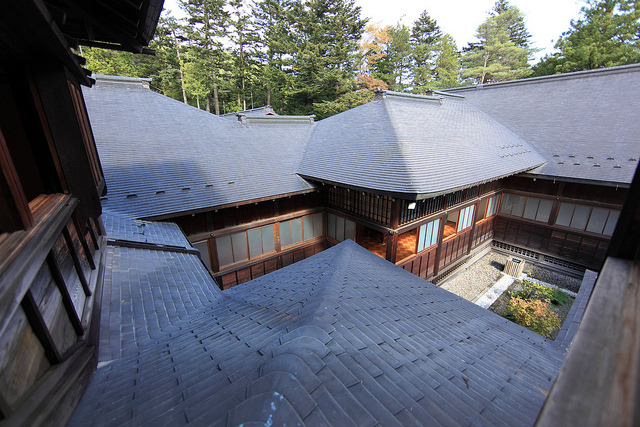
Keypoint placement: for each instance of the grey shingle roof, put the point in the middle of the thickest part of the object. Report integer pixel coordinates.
(120, 227)
(342, 338)
(161, 156)
(576, 120)
(411, 145)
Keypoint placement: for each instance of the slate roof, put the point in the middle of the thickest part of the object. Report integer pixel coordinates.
(163, 157)
(414, 147)
(120, 227)
(576, 120)
(341, 338)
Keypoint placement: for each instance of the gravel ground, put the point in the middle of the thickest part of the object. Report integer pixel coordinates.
(478, 277)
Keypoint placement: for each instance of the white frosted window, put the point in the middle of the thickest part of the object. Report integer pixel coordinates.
(339, 229)
(331, 226)
(307, 223)
(598, 220)
(317, 225)
(285, 233)
(611, 223)
(239, 241)
(349, 230)
(203, 247)
(225, 253)
(507, 204)
(544, 210)
(565, 213)
(580, 217)
(518, 205)
(531, 209)
(255, 242)
(268, 242)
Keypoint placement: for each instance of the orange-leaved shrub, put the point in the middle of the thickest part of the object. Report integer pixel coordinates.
(534, 314)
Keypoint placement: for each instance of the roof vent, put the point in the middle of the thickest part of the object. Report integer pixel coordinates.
(633, 160)
(576, 164)
(131, 196)
(208, 186)
(571, 156)
(597, 165)
(556, 155)
(610, 158)
(617, 167)
(186, 188)
(590, 157)
(561, 163)
(231, 182)
(160, 192)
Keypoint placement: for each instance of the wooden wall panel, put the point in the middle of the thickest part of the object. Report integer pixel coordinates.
(23, 359)
(63, 258)
(49, 301)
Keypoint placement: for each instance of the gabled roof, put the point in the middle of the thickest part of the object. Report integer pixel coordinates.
(341, 338)
(161, 157)
(585, 123)
(167, 234)
(414, 147)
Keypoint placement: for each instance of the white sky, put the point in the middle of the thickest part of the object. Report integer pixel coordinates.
(546, 20)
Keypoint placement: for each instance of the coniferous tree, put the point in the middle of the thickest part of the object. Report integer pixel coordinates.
(398, 57)
(207, 24)
(607, 35)
(502, 52)
(425, 33)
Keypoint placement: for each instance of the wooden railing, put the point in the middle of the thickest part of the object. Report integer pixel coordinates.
(50, 278)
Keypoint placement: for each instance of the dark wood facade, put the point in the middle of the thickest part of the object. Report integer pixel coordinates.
(52, 244)
(520, 215)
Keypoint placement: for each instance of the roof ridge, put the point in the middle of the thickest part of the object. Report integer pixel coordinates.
(553, 77)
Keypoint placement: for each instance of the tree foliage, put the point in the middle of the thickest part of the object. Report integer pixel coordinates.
(608, 34)
(317, 57)
(502, 51)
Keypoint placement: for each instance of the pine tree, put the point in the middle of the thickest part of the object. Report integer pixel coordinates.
(447, 69)
(502, 52)
(607, 35)
(425, 34)
(397, 62)
(325, 39)
(207, 20)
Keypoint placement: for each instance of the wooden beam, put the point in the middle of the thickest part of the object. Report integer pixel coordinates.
(40, 328)
(599, 383)
(67, 302)
(76, 261)
(83, 241)
(16, 213)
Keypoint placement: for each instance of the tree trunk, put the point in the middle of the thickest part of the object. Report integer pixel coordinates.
(484, 67)
(184, 92)
(208, 107)
(216, 103)
(268, 96)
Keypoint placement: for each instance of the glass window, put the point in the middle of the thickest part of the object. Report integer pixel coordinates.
(239, 241)
(203, 247)
(466, 217)
(482, 209)
(428, 234)
(285, 233)
(544, 210)
(296, 230)
(518, 205)
(339, 229)
(531, 209)
(565, 213)
(268, 241)
(580, 217)
(611, 223)
(598, 220)
(349, 230)
(331, 226)
(307, 222)
(255, 242)
(225, 253)
(317, 225)
(492, 206)
(507, 204)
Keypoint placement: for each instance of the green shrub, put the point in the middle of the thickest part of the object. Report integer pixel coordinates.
(534, 314)
(535, 291)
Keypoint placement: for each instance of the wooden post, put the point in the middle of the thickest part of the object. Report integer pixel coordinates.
(392, 237)
(436, 267)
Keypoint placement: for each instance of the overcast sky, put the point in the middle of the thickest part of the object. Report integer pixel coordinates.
(546, 20)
